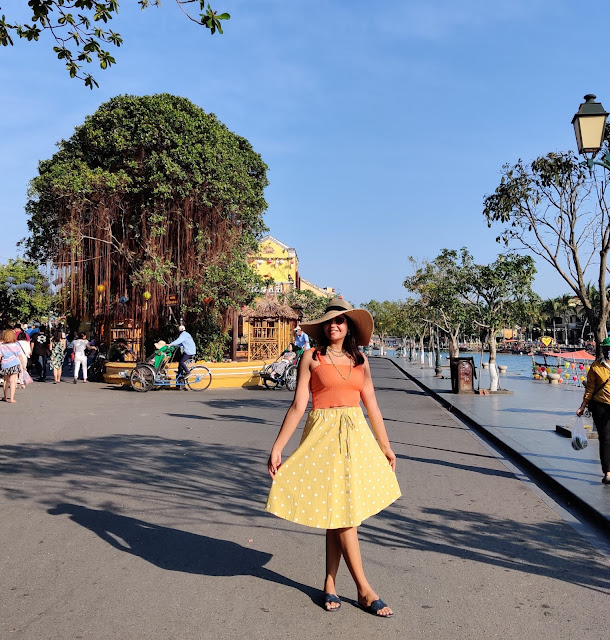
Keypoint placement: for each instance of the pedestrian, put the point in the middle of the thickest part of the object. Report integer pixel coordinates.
(10, 364)
(41, 352)
(70, 348)
(184, 340)
(58, 353)
(339, 475)
(80, 346)
(597, 398)
(26, 349)
(301, 340)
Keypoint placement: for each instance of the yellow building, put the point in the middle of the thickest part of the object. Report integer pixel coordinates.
(323, 292)
(280, 263)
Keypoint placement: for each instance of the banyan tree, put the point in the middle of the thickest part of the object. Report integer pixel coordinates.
(152, 201)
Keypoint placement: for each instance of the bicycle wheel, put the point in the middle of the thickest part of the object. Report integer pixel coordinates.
(198, 378)
(291, 377)
(142, 378)
(270, 383)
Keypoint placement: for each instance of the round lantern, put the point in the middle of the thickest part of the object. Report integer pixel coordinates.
(147, 296)
(581, 367)
(560, 380)
(542, 369)
(572, 366)
(582, 378)
(123, 299)
(566, 375)
(101, 288)
(575, 378)
(587, 368)
(559, 369)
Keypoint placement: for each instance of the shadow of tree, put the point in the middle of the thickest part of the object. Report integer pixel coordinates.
(549, 549)
(191, 481)
(487, 471)
(183, 474)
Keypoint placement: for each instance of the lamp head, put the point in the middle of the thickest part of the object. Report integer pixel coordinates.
(589, 125)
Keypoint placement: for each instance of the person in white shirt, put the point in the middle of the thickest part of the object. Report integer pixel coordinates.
(80, 357)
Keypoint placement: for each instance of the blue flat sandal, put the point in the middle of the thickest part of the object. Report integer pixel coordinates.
(374, 607)
(331, 598)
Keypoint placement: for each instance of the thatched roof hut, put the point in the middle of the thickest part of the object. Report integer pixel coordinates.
(271, 326)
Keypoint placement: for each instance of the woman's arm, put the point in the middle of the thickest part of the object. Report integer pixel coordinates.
(591, 385)
(293, 415)
(370, 402)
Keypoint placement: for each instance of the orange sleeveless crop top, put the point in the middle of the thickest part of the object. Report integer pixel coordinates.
(329, 389)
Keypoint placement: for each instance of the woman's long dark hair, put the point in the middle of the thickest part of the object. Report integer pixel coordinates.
(349, 344)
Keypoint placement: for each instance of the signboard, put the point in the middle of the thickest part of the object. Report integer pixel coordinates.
(171, 299)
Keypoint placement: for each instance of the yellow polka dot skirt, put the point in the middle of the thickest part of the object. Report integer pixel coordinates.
(337, 477)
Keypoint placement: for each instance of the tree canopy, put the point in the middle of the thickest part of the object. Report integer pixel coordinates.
(76, 27)
(557, 209)
(24, 293)
(150, 196)
(442, 285)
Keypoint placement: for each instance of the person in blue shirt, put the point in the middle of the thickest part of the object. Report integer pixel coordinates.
(184, 340)
(301, 340)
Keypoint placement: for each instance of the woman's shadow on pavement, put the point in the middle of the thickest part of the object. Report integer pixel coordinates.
(176, 550)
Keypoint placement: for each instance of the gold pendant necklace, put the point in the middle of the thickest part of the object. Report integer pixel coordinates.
(337, 368)
(335, 352)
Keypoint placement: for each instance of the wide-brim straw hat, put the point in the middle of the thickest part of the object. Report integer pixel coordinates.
(160, 344)
(362, 319)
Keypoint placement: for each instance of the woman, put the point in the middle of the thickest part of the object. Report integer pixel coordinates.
(288, 357)
(597, 398)
(10, 364)
(339, 475)
(26, 348)
(80, 356)
(58, 353)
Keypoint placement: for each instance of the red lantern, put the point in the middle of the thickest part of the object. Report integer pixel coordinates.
(559, 370)
(581, 367)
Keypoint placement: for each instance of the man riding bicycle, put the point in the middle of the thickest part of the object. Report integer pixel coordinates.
(184, 340)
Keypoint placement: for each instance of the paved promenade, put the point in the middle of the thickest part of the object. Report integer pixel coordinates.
(132, 516)
(525, 423)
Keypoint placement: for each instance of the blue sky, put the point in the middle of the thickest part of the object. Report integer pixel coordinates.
(384, 126)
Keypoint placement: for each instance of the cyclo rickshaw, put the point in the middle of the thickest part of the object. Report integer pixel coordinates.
(286, 379)
(154, 373)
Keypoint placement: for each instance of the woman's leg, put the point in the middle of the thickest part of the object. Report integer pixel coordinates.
(603, 432)
(601, 417)
(350, 548)
(76, 368)
(5, 387)
(333, 559)
(12, 384)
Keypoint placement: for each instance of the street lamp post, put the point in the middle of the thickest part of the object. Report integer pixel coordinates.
(589, 127)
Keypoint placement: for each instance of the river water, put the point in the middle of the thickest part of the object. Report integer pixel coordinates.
(516, 365)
